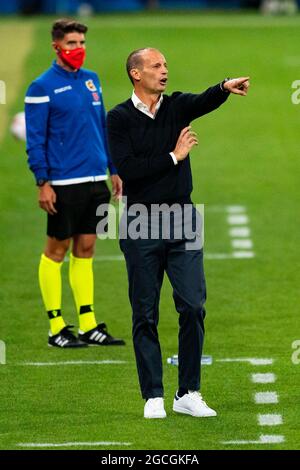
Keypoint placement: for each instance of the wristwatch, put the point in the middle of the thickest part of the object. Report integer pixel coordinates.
(40, 182)
(222, 85)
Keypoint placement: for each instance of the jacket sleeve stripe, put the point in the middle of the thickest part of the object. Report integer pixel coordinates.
(37, 99)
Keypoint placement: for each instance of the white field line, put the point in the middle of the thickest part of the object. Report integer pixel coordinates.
(73, 444)
(218, 256)
(227, 209)
(241, 232)
(244, 243)
(109, 258)
(264, 398)
(269, 419)
(243, 254)
(251, 360)
(261, 398)
(71, 363)
(240, 219)
(267, 378)
(271, 439)
(207, 256)
(264, 439)
(235, 209)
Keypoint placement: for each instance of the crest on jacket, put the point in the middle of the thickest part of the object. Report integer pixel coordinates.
(90, 85)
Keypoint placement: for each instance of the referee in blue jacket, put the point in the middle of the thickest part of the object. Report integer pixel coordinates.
(68, 154)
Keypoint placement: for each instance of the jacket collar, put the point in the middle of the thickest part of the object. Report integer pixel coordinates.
(64, 72)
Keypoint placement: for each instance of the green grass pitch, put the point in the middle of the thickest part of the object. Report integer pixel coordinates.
(248, 155)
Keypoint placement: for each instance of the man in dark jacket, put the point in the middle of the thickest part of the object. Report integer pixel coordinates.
(149, 139)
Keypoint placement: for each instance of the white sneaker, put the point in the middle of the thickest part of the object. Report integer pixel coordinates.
(192, 404)
(154, 408)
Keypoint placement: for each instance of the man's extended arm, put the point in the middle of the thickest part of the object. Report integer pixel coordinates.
(194, 106)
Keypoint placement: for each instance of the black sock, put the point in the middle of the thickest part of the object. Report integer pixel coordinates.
(181, 392)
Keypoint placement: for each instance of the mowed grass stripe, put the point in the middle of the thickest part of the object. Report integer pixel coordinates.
(16, 43)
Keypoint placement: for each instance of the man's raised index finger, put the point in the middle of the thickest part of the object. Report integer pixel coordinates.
(244, 79)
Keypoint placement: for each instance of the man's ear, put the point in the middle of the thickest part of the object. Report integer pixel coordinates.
(135, 73)
(55, 47)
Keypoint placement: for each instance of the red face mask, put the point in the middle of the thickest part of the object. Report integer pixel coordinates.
(74, 58)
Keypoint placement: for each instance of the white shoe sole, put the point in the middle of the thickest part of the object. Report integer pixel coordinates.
(156, 416)
(185, 411)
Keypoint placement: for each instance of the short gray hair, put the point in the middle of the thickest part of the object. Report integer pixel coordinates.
(135, 60)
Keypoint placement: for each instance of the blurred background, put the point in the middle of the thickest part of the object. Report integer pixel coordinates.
(94, 6)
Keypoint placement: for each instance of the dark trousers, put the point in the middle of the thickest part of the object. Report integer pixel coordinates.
(147, 260)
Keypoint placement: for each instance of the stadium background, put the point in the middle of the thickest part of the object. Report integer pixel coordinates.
(72, 6)
(247, 165)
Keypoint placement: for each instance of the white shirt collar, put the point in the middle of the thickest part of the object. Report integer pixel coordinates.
(138, 104)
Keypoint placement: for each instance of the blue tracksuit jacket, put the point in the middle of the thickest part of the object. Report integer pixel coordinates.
(66, 127)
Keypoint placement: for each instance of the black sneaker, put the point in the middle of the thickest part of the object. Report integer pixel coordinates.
(65, 339)
(99, 336)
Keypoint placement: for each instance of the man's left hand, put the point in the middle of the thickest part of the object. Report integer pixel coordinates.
(117, 187)
(238, 86)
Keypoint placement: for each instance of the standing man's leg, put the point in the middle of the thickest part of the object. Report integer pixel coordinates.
(185, 271)
(145, 268)
(50, 281)
(81, 274)
(82, 279)
(50, 284)
(186, 274)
